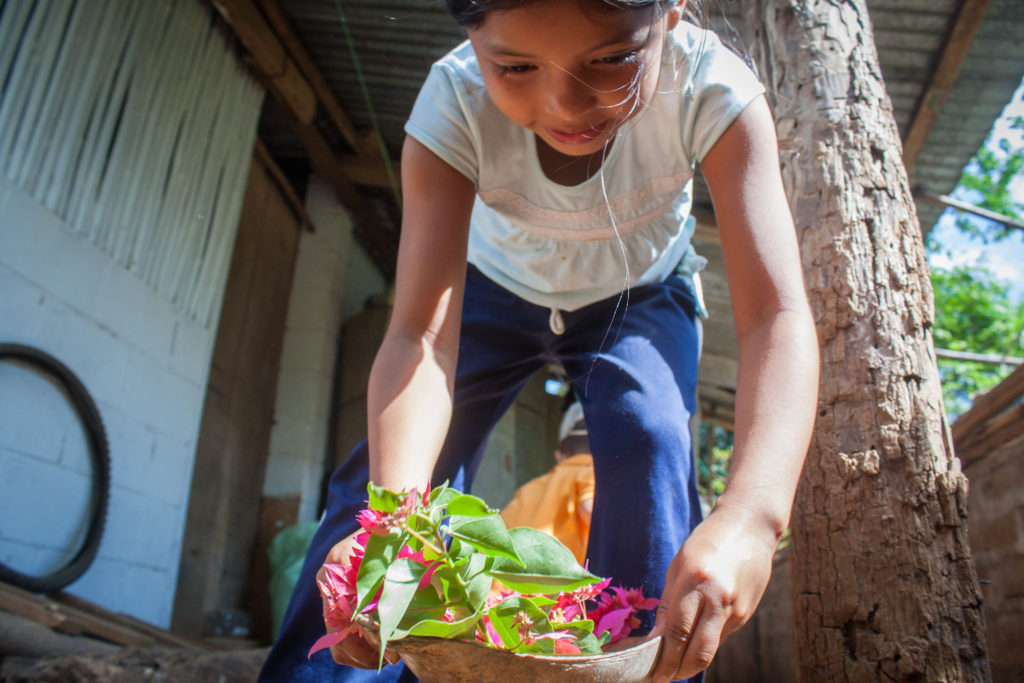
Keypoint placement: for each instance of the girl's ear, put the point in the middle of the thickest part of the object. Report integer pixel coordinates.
(675, 13)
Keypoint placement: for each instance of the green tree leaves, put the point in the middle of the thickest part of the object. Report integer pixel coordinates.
(973, 312)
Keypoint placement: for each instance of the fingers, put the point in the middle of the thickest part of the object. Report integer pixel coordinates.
(677, 624)
(355, 651)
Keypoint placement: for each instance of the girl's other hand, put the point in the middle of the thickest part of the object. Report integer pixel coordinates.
(353, 650)
(711, 589)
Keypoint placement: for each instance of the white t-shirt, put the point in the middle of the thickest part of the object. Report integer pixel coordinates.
(557, 246)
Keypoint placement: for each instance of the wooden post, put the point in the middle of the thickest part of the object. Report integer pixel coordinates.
(883, 581)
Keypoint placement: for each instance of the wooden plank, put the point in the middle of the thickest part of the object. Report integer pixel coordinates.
(293, 44)
(1007, 427)
(25, 604)
(270, 57)
(286, 187)
(989, 405)
(157, 634)
(944, 200)
(75, 616)
(370, 172)
(954, 52)
(367, 227)
(987, 358)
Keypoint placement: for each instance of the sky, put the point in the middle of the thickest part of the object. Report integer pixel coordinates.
(1004, 258)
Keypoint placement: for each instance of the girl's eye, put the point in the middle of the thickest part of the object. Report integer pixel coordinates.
(512, 69)
(624, 58)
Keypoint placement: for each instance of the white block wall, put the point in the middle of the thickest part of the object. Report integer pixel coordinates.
(333, 278)
(144, 364)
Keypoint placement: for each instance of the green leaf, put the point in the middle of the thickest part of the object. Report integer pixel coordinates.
(478, 581)
(381, 499)
(400, 584)
(546, 566)
(468, 506)
(380, 551)
(437, 628)
(486, 534)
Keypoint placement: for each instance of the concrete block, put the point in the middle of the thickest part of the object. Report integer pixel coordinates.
(134, 462)
(317, 269)
(89, 351)
(308, 350)
(191, 350)
(140, 530)
(44, 505)
(141, 591)
(36, 418)
(134, 311)
(310, 309)
(284, 476)
(298, 395)
(155, 396)
(19, 306)
(37, 244)
(289, 434)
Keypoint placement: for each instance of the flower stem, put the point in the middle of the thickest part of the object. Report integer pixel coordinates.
(425, 542)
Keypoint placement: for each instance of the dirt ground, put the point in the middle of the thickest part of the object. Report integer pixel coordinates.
(135, 665)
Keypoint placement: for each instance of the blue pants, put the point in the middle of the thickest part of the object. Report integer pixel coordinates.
(634, 368)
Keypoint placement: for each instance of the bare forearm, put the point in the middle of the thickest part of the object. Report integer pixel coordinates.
(409, 405)
(775, 404)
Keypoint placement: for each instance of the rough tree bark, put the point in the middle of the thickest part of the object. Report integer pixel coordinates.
(883, 582)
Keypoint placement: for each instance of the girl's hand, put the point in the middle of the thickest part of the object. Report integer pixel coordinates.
(711, 589)
(353, 650)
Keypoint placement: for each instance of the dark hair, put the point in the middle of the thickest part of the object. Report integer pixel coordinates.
(471, 13)
(574, 445)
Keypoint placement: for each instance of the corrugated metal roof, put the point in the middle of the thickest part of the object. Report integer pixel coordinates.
(397, 40)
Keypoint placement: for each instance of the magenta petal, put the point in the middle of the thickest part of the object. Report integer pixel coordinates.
(612, 621)
(326, 641)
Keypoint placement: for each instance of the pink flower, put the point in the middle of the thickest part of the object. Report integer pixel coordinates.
(616, 612)
(564, 641)
(377, 523)
(338, 588)
(572, 605)
(406, 552)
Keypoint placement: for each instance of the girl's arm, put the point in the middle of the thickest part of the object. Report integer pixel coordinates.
(718, 577)
(410, 393)
(409, 402)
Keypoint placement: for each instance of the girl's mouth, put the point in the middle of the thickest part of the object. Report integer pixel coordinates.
(577, 137)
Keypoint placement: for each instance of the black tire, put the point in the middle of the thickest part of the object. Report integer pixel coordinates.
(98, 449)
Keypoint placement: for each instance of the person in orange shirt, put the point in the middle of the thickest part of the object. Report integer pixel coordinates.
(560, 503)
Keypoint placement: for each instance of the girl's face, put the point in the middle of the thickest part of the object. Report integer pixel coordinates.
(569, 75)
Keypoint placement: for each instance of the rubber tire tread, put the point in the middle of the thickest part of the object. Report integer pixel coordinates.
(99, 450)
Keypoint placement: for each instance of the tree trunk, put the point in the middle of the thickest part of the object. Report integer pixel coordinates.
(883, 581)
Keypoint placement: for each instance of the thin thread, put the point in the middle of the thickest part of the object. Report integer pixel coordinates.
(357, 65)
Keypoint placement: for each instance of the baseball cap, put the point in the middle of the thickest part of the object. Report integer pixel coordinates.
(572, 422)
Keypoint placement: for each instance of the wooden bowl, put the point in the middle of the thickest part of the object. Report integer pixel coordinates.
(441, 660)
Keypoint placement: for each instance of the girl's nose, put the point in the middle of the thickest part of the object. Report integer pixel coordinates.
(569, 96)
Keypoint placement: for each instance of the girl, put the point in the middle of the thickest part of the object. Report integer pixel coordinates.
(547, 180)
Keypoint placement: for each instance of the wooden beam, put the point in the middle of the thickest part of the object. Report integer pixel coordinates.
(369, 172)
(944, 200)
(954, 52)
(293, 44)
(286, 187)
(366, 146)
(989, 405)
(270, 58)
(367, 227)
(987, 358)
(298, 99)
